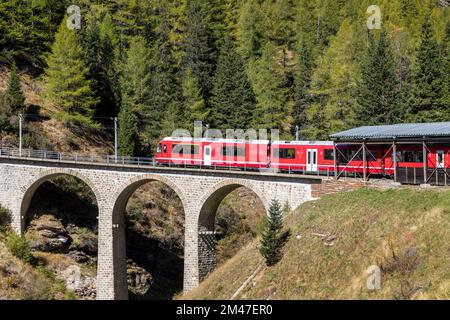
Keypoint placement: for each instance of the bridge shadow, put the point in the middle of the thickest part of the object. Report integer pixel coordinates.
(67, 199)
(166, 266)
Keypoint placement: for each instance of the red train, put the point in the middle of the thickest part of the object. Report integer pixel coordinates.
(305, 157)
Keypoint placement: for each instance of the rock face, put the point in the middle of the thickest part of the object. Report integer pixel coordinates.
(139, 280)
(82, 285)
(83, 240)
(47, 233)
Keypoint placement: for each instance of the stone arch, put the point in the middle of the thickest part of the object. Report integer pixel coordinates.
(30, 188)
(119, 202)
(125, 190)
(206, 220)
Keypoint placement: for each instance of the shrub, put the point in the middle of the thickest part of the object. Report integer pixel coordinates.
(5, 218)
(19, 247)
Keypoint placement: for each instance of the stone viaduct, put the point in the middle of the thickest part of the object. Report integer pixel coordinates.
(200, 191)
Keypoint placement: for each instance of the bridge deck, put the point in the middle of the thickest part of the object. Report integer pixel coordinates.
(137, 164)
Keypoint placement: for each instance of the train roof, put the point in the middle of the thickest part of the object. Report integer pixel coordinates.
(277, 142)
(307, 143)
(187, 139)
(396, 131)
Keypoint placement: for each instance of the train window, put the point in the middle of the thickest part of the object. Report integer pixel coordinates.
(285, 153)
(344, 156)
(159, 148)
(231, 151)
(409, 156)
(185, 149)
(165, 148)
(328, 154)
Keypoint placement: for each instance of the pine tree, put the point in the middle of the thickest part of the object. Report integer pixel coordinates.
(279, 22)
(334, 84)
(445, 92)
(251, 30)
(27, 28)
(302, 84)
(165, 94)
(66, 82)
(272, 236)
(135, 89)
(99, 58)
(328, 20)
(5, 113)
(232, 100)
(198, 56)
(305, 24)
(378, 101)
(193, 102)
(266, 75)
(14, 91)
(428, 79)
(128, 129)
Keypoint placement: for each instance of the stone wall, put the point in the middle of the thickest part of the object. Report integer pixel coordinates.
(333, 186)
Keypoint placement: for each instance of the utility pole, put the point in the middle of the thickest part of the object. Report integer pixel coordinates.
(297, 135)
(115, 139)
(20, 134)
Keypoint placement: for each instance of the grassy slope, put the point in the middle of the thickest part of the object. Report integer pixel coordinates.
(371, 227)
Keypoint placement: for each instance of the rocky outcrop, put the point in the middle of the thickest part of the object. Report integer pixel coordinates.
(83, 240)
(83, 285)
(139, 279)
(48, 234)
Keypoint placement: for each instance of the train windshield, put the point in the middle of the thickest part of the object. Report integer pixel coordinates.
(159, 148)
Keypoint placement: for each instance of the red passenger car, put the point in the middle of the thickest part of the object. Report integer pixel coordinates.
(213, 153)
(302, 156)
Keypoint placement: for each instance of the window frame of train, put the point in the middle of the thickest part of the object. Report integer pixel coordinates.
(282, 153)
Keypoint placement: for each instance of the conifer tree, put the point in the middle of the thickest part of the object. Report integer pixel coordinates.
(5, 113)
(99, 58)
(232, 100)
(128, 138)
(302, 84)
(163, 109)
(14, 91)
(135, 90)
(445, 92)
(251, 30)
(378, 101)
(428, 79)
(272, 236)
(197, 51)
(193, 102)
(66, 79)
(271, 93)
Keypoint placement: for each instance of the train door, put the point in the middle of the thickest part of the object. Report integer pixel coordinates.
(440, 159)
(207, 156)
(311, 160)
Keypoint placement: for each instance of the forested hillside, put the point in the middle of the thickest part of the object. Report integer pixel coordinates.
(162, 64)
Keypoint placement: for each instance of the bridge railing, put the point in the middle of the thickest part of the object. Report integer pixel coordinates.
(138, 161)
(75, 157)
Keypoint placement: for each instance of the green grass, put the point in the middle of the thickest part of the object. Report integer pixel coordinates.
(405, 232)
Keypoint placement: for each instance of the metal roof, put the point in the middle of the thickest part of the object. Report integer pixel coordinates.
(396, 131)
